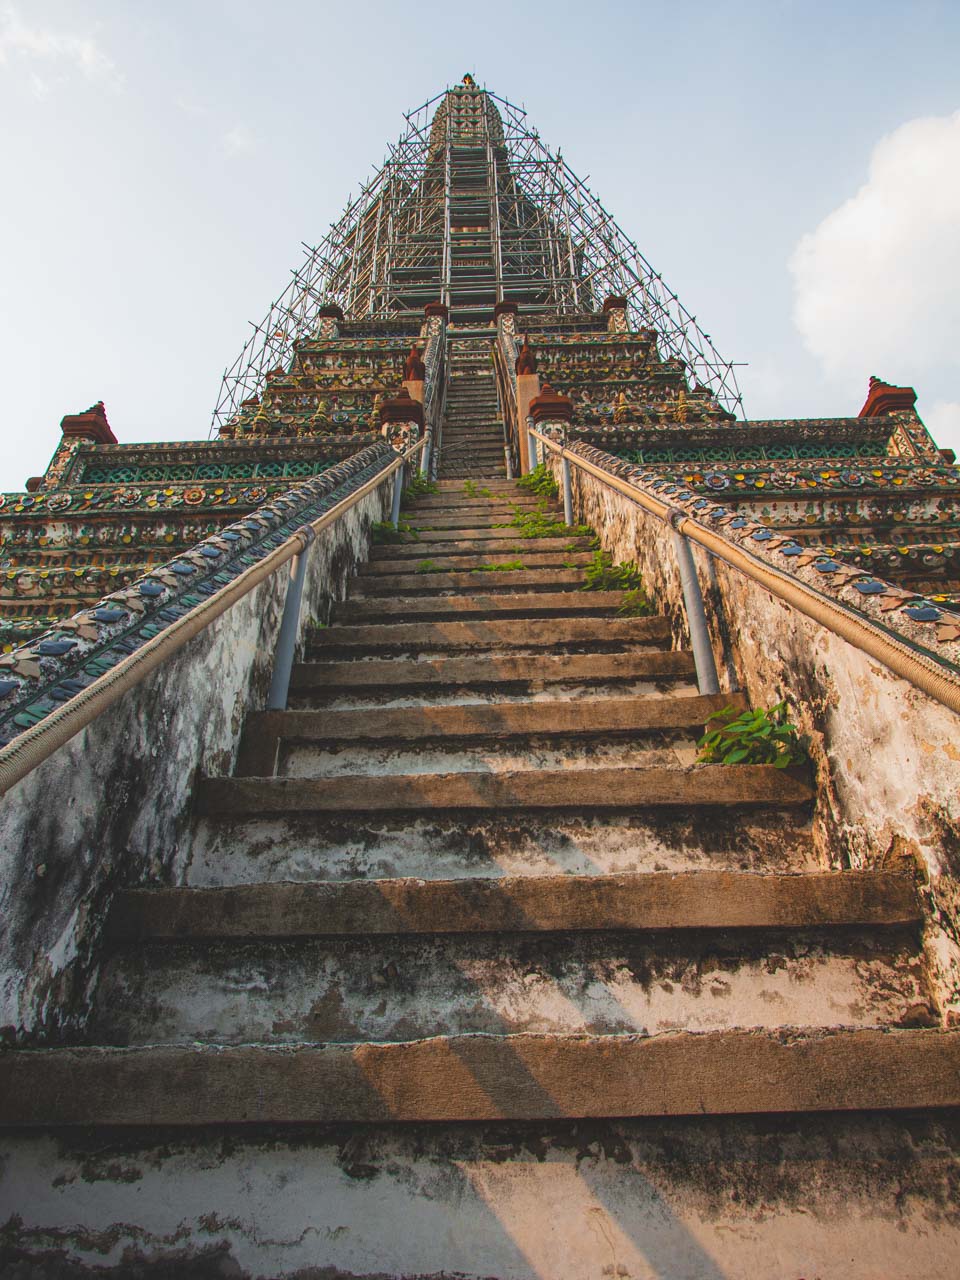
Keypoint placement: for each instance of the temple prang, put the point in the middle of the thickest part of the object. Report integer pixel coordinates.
(489, 809)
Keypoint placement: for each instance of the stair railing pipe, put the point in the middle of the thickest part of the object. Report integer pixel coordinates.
(703, 660)
(860, 631)
(568, 499)
(290, 624)
(397, 495)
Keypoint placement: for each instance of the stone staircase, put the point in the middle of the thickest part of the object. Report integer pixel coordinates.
(472, 444)
(469, 905)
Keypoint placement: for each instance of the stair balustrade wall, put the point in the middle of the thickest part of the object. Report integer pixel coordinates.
(88, 819)
(885, 753)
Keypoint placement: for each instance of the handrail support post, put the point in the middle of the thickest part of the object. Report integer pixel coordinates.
(567, 493)
(706, 667)
(289, 626)
(397, 495)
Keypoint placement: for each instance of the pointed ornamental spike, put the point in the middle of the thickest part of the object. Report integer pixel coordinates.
(414, 370)
(526, 360)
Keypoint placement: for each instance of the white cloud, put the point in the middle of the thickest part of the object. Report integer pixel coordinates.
(54, 51)
(239, 141)
(877, 281)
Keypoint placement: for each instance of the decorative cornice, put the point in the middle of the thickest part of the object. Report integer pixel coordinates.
(883, 398)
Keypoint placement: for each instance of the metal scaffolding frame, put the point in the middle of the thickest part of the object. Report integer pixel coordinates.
(541, 237)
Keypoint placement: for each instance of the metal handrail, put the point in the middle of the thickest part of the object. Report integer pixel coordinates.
(38, 743)
(857, 629)
(508, 405)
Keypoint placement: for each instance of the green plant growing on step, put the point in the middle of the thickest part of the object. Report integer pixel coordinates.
(430, 566)
(635, 604)
(384, 533)
(419, 487)
(603, 575)
(470, 488)
(543, 524)
(540, 481)
(752, 737)
(507, 566)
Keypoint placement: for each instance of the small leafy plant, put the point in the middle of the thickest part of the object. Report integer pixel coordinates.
(384, 533)
(752, 737)
(543, 524)
(635, 604)
(430, 566)
(603, 575)
(539, 481)
(419, 487)
(507, 566)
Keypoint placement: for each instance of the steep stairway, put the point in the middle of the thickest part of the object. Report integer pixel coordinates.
(472, 873)
(472, 442)
(479, 829)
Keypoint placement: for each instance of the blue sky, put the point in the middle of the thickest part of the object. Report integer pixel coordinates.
(793, 170)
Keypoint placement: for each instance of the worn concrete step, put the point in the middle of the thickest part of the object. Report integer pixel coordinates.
(504, 487)
(251, 849)
(452, 501)
(469, 581)
(557, 557)
(427, 584)
(582, 789)
(509, 541)
(482, 534)
(516, 602)
(516, 633)
(471, 1078)
(395, 986)
(451, 522)
(862, 1196)
(479, 471)
(400, 674)
(693, 900)
(264, 730)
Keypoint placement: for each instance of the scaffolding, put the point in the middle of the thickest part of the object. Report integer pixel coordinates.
(471, 208)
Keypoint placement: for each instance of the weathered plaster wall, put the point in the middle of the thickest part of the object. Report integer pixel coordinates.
(113, 804)
(887, 756)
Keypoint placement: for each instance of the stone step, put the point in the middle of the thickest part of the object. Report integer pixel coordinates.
(504, 487)
(515, 633)
(301, 847)
(446, 501)
(457, 546)
(453, 523)
(427, 584)
(513, 602)
(693, 900)
(480, 533)
(585, 789)
(498, 670)
(483, 1077)
(400, 985)
(264, 730)
(558, 558)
